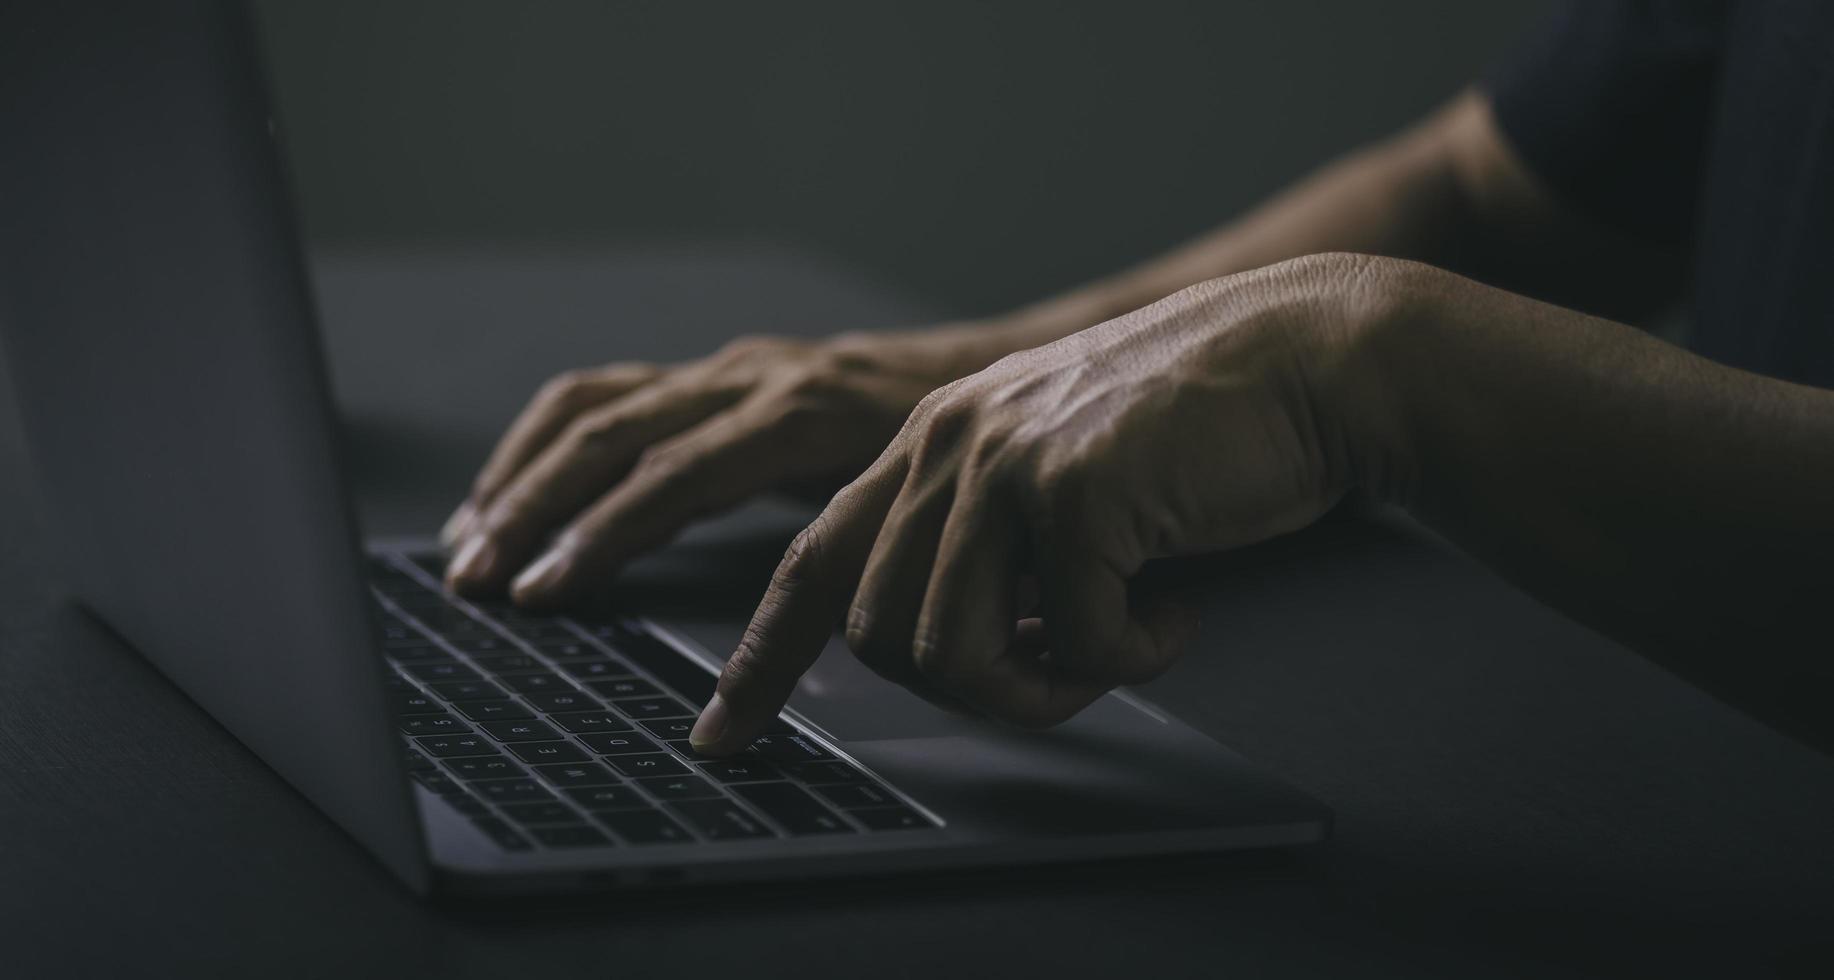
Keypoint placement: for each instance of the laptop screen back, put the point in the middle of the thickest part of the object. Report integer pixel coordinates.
(156, 328)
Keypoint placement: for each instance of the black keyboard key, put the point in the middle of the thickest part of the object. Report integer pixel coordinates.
(532, 730)
(720, 820)
(740, 770)
(786, 750)
(415, 762)
(449, 671)
(498, 831)
(625, 687)
(670, 729)
(672, 788)
(662, 661)
(536, 683)
(592, 670)
(492, 608)
(493, 710)
(793, 809)
(511, 663)
(552, 811)
(520, 790)
(856, 795)
(618, 743)
(439, 782)
(644, 709)
(450, 624)
(534, 631)
(574, 774)
(581, 722)
(564, 702)
(576, 836)
(647, 765)
(478, 690)
(440, 724)
(643, 826)
(891, 818)
(485, 768)
(606, 797)
(571, 648)
(415, 703)
(419, 654)
(446, 746)
(827, 773)
(483, 644)
(548, 752)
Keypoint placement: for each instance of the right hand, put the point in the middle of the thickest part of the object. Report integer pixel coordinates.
(611, 462)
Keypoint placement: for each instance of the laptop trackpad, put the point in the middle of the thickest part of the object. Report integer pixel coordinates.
(850, 702)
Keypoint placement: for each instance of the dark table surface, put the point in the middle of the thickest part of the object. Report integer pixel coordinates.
(1515, 795)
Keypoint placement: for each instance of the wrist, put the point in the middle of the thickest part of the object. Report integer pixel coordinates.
(1372, 361)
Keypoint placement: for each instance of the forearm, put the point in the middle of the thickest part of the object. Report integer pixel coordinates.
(1681, 505)
(1448, 191)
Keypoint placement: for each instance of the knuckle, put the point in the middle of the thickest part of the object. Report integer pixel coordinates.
(563, 390)
(595, 431)
(801, 558)
(816, 379)
(666, 463)
(756, 345)
(795, 412)
(743, 668)
(941, 400)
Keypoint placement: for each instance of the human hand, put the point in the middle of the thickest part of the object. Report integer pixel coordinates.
(1211, 419)
(618, 459)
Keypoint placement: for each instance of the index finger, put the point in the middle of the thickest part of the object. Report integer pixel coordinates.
(810, 589)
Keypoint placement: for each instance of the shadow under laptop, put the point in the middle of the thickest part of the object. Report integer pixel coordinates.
(1194, 873)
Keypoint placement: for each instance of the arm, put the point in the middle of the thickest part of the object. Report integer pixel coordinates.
(1681, 505)
(607, 463)
(1448, 191)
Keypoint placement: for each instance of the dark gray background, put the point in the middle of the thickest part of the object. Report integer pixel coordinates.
(501, 189)
(975, 154)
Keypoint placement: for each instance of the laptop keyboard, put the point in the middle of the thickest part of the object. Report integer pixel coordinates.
(557, 733)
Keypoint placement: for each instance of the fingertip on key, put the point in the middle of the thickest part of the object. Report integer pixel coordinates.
(458, 525)
(473, 565)
(710, 728)
(541, 581)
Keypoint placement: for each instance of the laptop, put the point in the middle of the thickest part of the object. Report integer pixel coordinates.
(156, 323)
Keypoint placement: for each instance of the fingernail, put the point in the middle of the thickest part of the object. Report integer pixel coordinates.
(456, 525)
(473, 561)
(710, 727)
(542, 576)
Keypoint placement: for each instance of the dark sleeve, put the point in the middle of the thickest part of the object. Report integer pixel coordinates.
(1610, 103)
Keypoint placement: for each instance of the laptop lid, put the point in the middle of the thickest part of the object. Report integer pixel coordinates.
(157, 328)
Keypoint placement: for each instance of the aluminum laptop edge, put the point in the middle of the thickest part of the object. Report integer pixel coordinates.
(161, 343)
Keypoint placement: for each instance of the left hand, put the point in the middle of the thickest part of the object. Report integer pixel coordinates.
(1202, 422)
